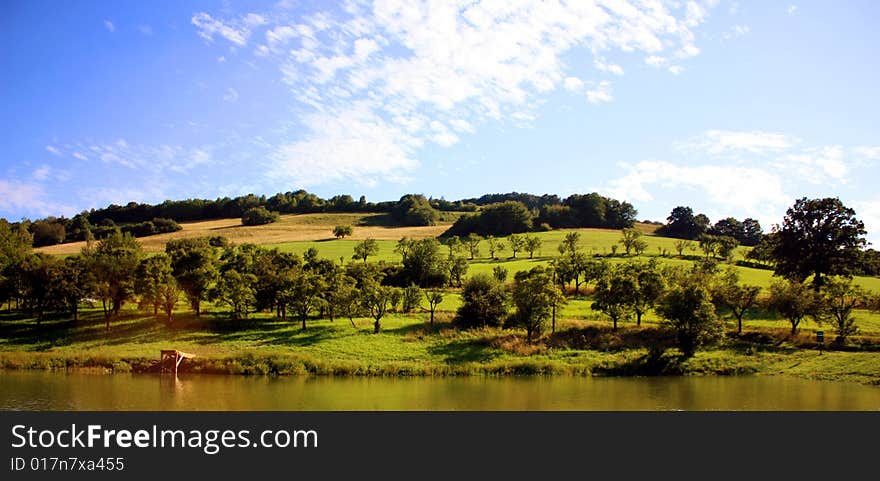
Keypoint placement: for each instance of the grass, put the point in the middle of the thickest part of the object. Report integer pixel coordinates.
(407, 345)
(584, 344)
(289, 228)
(593, 241)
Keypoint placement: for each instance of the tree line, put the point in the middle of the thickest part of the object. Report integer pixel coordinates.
(513, 216)
(495, 216)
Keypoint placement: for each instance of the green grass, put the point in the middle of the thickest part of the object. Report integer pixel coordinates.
(593, 242)
(408, 345)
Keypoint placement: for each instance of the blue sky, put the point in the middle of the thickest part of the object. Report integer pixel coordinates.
(733, 108)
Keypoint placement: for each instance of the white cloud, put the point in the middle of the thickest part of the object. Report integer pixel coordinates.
(792, 9)
(279, 37)
(410, 64)
(80, 156)
(756, 192)
(675, 69)
(26, 197)
(236, 32)
(816, 165)
(41, 173)
(717, 142)
(145, 158)
(868, 211)
(461, 125)
(687, 51)
(357, 146)
(695, 14)
(734, 8)
(221, 59)
(604, 66)
(53, 150)
(145, 30)
(736, 31)
(655, 61)
(230, 95)
(573, 84)
(601, 93)
(868, 153)
(109, 26)
(442, 135)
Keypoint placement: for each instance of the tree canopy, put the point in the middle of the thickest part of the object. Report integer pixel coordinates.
(818, 238)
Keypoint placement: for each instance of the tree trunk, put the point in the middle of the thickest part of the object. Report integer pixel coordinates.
(615, 323)
(351, 319)
(303, 321)
(638, 318)
(432, 315)
(376, 327)
(553, 322)
(739, 325)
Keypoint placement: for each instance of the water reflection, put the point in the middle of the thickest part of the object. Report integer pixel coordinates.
(54, 391)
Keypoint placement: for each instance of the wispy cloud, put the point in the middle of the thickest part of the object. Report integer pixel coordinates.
(755, 191)
(53, 150)
(230, 95)
(358, 145)
(573, 84)
(109, 26)
(736, 31)
(145, 30)
(236, 31)
(717, 142)
(30, 197)
(412, 70)
(173, 158)
(753, 172)
(792, 9)
(41, 173)
(601, 93)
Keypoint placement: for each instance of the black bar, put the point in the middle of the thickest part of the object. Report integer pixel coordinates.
(468, 445)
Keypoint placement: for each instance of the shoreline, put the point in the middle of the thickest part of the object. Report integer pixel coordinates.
(810, 365)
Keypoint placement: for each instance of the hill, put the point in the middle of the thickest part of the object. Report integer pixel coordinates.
(289, 228)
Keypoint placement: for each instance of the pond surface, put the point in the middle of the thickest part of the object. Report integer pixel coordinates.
(39, 390)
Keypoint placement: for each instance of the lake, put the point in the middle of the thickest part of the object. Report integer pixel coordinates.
(40, 390)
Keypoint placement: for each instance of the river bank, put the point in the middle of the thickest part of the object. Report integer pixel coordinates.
(409, 346)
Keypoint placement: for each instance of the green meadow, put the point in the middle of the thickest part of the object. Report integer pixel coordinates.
(593, 241)
(583, 344)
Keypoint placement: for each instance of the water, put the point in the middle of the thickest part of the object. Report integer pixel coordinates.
(31, 390)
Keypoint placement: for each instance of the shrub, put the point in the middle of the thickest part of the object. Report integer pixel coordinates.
(258, 216)
(341, 231)
(484, 303)
(412, 298)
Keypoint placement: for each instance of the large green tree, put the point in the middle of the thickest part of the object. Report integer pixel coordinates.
(818, 237)
(365, 248)
(194, 266)
(794, 301)
(114, 262)
(614, 295)
(739, 298)
(688, 311)
(483, 302)
(839, 298)
(534, 295)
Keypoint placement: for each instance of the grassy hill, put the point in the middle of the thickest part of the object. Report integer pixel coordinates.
(289, 228)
